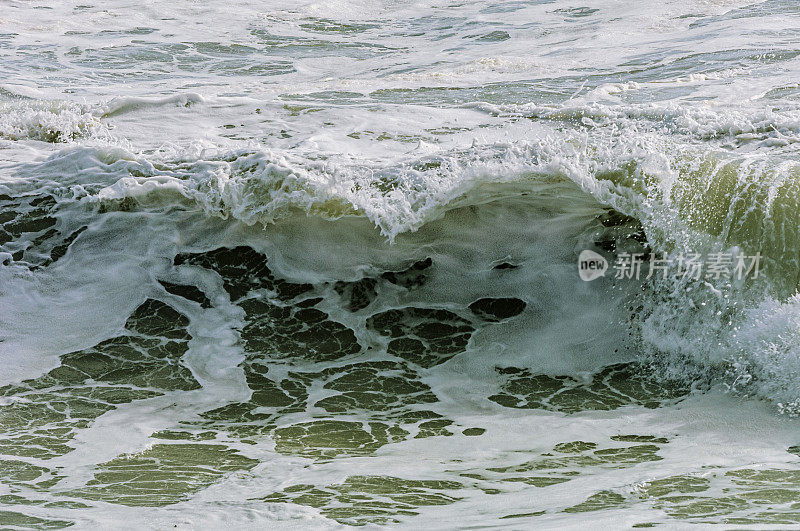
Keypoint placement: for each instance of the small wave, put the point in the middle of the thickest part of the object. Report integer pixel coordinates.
(119, 106)
(48, 121)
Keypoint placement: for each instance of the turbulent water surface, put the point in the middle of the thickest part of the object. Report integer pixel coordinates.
(315, 264)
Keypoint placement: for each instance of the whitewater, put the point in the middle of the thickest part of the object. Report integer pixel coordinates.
(317, 264)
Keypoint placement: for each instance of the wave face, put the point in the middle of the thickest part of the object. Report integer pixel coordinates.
(319, 265)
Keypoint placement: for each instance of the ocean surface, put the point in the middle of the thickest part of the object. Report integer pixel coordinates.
(315, 264)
